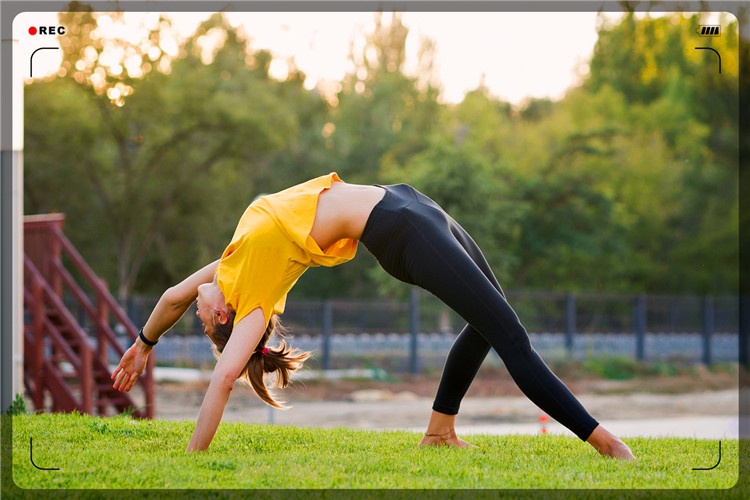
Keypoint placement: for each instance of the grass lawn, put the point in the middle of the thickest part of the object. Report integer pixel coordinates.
(122, 453)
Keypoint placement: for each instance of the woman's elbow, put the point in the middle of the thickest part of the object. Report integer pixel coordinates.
(174, 298)
(224, 380)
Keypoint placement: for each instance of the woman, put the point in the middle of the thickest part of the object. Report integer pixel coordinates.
(319, 222)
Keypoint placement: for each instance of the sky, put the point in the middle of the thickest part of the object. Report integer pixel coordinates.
(517, 55)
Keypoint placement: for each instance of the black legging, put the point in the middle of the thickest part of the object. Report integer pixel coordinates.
(415, 241)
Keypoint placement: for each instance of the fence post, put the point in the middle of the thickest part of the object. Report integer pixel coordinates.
(327, 327)
(570, 322)
(639, 321)
(708, 328)
(413, 329)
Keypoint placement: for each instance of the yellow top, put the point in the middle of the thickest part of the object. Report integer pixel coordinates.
(272, 247)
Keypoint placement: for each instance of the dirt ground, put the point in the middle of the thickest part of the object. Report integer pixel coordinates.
(493, 399)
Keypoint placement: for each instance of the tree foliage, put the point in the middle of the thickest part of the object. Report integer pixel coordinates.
(162, 168)
(628, 183)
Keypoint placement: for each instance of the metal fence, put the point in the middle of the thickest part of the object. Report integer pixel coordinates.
(415, 335)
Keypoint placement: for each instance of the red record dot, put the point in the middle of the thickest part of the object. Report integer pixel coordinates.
(32, 31)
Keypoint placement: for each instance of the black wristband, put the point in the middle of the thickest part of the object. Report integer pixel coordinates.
(145, 340)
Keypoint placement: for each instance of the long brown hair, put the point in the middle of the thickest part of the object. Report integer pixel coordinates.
(281, 361)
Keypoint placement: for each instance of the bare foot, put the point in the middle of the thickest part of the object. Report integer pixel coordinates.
(446, 439)
(609, 445)
(620, 450)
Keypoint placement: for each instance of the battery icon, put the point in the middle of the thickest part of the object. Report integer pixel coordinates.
(709, 30)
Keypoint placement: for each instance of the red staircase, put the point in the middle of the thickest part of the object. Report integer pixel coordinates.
(68, 335)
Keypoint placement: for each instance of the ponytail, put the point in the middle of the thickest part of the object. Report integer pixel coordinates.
(281, 360)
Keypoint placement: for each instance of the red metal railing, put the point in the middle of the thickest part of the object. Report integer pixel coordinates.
(62, 361)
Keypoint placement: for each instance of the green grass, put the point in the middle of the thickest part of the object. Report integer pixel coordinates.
(122, 453)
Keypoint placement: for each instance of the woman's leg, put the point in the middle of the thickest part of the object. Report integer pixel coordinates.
(462, 285)
(461, 366)
(470, 348)
(424, 246)
(506, 334)
(464, 359)
(387, 236)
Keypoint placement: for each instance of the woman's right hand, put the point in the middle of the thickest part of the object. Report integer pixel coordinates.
(132, 365)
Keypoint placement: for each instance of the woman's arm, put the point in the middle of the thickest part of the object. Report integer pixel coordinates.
(168, 310)
(240, 346)
(175, 301)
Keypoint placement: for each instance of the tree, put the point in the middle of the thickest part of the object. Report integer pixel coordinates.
(627, 184)
(677, 96)
(572, 220)
(475, 192)
(170, 165)
(378, 121)
(108, 67)
(383, 117)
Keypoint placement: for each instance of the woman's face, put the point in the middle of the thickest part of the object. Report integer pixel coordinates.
(211, 307)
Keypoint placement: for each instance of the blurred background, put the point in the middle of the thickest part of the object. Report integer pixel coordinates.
(593, 157)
